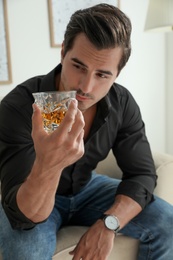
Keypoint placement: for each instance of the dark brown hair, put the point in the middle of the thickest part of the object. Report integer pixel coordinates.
(106, 26)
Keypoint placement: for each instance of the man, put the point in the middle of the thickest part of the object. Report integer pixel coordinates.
(48, 179)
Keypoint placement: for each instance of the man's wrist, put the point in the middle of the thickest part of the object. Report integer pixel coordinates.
(111, 222)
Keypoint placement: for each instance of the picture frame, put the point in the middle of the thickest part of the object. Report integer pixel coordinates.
(59, 14)
(5, 63)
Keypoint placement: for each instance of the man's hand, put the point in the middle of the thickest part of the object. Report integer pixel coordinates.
(95, 244)
(65, 145)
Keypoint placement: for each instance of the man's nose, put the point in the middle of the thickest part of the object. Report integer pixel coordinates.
(86, 83)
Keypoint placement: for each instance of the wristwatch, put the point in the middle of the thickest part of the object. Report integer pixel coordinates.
(111, 222)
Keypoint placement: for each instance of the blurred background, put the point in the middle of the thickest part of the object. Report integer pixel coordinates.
(148, 74)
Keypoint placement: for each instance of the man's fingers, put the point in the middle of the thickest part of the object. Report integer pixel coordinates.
(37, 122)
(72, 124)
(78, 125)
(70, 117)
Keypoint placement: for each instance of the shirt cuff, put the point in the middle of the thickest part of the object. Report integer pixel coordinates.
(136, 192)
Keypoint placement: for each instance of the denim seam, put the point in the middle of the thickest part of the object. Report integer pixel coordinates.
(149, 235)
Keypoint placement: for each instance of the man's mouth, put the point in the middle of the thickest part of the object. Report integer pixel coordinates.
(81, 97)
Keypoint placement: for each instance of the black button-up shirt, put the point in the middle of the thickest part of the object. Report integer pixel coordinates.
(117, 125)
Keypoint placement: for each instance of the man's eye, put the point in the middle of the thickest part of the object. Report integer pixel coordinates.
(79, 67)
(76, 66)
(101, 75)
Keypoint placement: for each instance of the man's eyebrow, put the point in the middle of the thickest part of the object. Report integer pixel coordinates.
(79, 62)
(84, 65)
(105, 72)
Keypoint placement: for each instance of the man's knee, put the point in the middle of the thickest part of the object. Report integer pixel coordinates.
(33, 244)
(28, 245)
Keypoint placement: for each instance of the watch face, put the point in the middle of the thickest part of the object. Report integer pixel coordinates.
(111, 223)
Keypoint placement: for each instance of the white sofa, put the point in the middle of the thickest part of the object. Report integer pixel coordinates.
(126, 248)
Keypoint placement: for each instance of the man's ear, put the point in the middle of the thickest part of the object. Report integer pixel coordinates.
(62, 52)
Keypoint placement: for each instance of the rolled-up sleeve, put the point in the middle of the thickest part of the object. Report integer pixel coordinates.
(133, 154)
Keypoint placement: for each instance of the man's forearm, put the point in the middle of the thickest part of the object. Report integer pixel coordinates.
(35, 197)
(124, 209)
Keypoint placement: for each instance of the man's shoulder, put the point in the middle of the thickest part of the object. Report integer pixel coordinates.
(119, 90)
(23, 92)
(120, 94)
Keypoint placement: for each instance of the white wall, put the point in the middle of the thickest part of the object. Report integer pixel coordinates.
(144, 75)
(169, 92)
(31, 53)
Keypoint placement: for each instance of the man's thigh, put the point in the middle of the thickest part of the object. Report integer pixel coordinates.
(153, 227)
(155, 219)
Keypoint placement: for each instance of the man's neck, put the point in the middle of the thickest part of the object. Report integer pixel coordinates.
(57, 81)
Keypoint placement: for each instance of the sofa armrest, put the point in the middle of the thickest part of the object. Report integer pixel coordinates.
(164, 168)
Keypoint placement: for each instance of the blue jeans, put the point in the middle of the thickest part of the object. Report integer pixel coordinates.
(153, 226)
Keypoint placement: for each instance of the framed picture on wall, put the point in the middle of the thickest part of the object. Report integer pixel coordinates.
(60, 12)
(5, 64)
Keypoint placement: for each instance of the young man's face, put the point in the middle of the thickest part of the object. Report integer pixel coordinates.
(89, 71)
